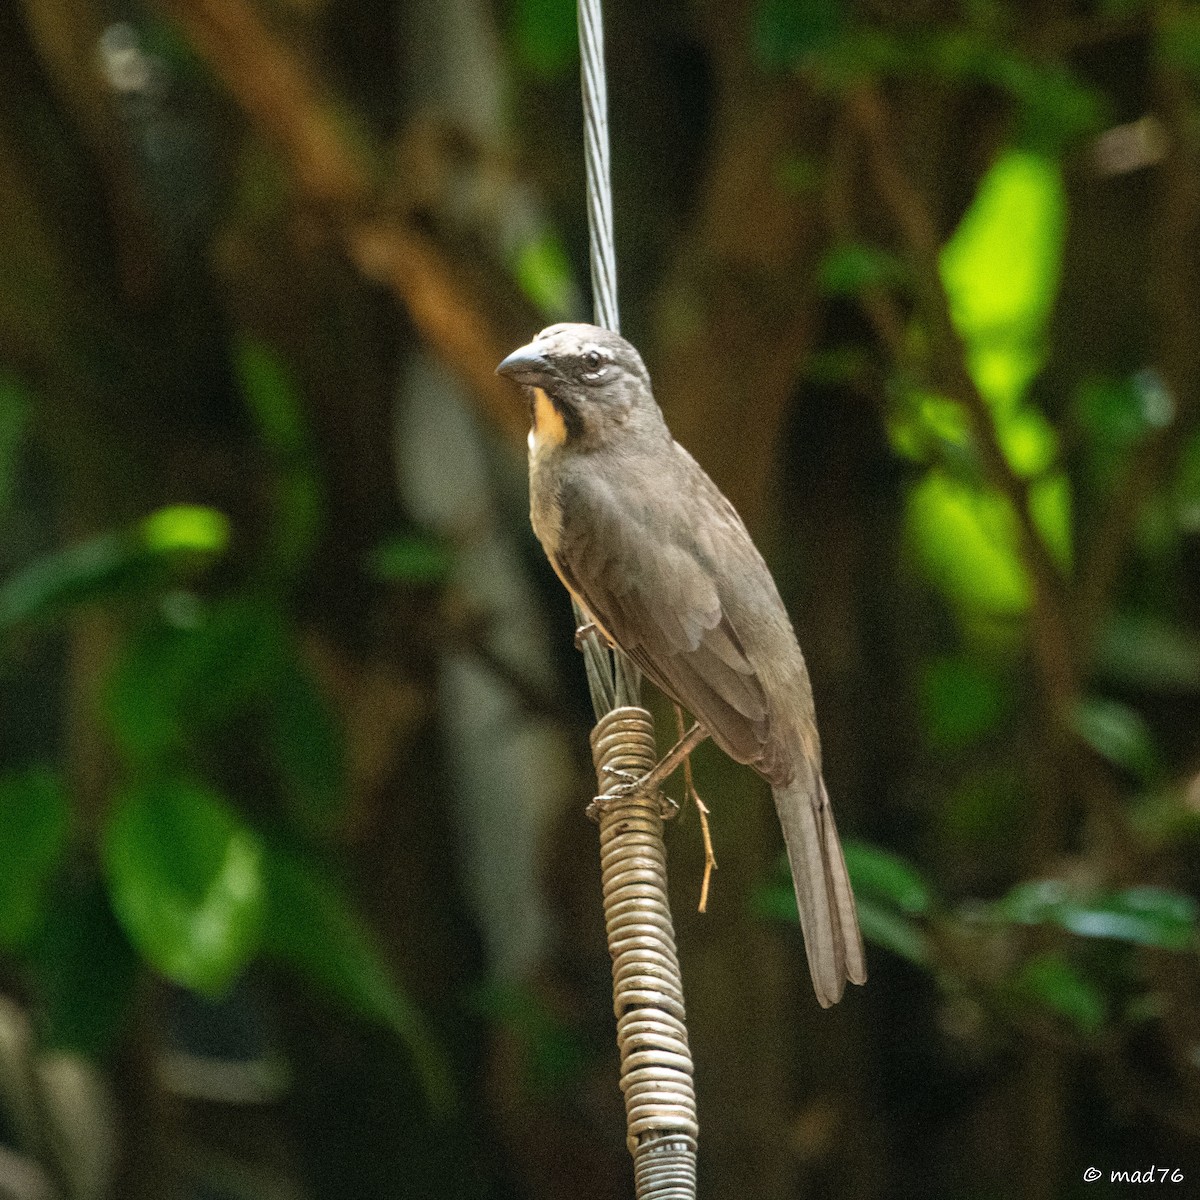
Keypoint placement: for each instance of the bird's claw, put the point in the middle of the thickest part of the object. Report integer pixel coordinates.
(629, 784)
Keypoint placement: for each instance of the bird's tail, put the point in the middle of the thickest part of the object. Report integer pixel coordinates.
(827, 912)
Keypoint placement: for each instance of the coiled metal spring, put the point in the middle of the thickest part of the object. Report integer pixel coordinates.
(656, 1063)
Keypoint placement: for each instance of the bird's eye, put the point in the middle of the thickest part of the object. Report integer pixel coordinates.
(592, 360)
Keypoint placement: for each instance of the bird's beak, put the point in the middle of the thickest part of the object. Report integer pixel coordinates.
(526, 366)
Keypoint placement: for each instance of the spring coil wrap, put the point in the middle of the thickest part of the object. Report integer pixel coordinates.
(656, 1063)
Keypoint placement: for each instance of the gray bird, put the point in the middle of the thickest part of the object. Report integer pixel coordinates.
(663, 565)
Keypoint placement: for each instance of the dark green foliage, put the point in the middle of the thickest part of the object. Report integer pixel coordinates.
(312, 928)
(34, 821)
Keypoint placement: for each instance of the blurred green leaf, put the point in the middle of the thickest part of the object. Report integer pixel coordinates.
(1050, 511)
(413, 559)
(276, 404)
(233, 667)
(546, 38)
(848, 269)
(186, 880)
(312, 928)
(1000, 270)
(1118, 733)
(1145, 651)
(113, 564)
(967, 542)
(307, 745)
(34, 821)
(925, 426)
(786, 32)
(90, 571)
(885, 927)
(272, 396)
(187, 529)
(1120, 412)
(887, 877)
(85, 970)
(14, 412)
(960, 702)
(1050, 980)
(543, 273)
(1143, 916)
(172, 685)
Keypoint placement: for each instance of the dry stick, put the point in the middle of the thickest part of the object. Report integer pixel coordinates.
(689, 787)
(1052, 639)
(656, 1062)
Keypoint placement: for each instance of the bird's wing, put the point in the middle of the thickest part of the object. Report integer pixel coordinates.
(645, 581)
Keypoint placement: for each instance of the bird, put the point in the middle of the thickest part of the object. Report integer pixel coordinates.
(664, 567)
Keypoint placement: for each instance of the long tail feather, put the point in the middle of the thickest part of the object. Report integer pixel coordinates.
(828, 915)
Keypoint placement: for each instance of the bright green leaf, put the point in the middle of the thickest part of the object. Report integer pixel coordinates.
(185, 876)
(112, 564)
(1000, 270)
(967, 542)
(887, 877)
(190, 528)
(34, 820)
(312, 928)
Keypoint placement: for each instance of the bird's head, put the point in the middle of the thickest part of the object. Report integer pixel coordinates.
(592, 379)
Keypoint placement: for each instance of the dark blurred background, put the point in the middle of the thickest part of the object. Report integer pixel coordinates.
(297, 896)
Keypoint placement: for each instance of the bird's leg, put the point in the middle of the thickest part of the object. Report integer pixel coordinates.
(647, 784)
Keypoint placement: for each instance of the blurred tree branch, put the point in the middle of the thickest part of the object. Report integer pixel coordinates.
(1053, 641)
(289, 106)
(1173, 298)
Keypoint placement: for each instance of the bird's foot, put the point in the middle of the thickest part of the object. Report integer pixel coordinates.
(629, 783)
